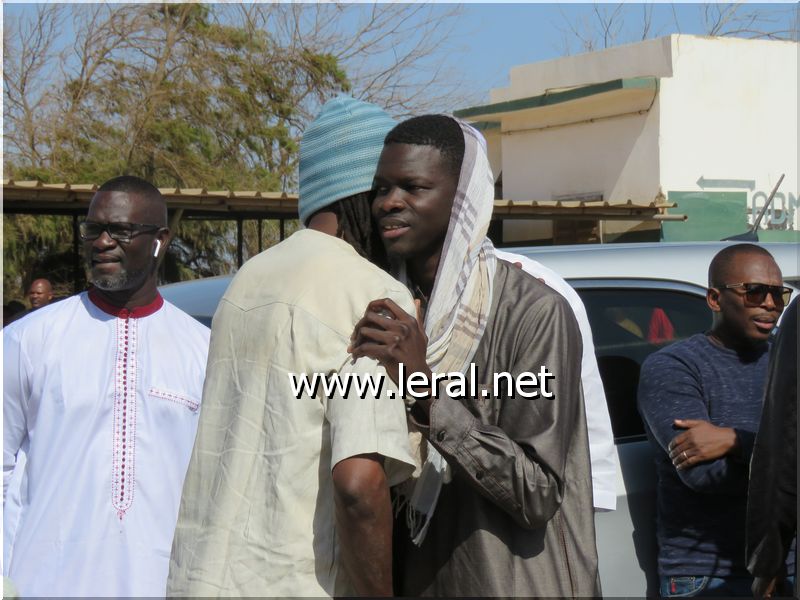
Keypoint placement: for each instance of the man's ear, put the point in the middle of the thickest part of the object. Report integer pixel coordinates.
(162, 241)
(712, 299)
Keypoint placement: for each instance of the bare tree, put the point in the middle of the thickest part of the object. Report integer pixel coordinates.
(392, 53)
(119, 77)
(744, 20)
(602, 26)
(599, 29)
(198, 95)
(28, 57)
(647, 20)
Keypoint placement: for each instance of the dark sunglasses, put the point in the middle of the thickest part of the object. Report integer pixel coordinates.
(756, 293)
(121, 232)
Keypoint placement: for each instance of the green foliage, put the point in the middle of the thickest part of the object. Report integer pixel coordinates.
(33, 247)
(170, 93)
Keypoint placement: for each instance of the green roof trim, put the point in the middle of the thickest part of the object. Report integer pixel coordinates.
(548, 99)
(485, 125)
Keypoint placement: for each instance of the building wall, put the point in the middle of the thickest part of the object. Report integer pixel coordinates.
(616, 158)
(729, 126)
(722, 129)
(644, 59)
(494, 150)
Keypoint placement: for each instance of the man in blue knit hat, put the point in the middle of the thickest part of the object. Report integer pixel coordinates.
(287, 491)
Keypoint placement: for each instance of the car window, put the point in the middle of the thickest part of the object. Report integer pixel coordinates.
(629, 324)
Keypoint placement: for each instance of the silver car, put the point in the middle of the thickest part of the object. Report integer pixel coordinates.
(639, 298)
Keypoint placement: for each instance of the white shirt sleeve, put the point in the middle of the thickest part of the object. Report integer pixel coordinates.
(16, 390)
(602, 452)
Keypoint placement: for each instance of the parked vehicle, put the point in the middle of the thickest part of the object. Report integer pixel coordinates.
(639, 298)
(198, 297)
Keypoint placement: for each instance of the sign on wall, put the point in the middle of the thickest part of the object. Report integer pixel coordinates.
(710, 216)
(781, 214)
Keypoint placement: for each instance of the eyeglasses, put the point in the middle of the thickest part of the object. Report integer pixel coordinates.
(756, 293)
(121, 232)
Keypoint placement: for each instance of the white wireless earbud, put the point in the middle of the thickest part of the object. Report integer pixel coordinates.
(158, 247)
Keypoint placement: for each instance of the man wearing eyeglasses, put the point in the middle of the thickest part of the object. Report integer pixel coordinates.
(101, 393)
(700, 400)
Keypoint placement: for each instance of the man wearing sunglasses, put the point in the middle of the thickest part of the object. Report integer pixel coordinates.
(101, 393)
(700, 400)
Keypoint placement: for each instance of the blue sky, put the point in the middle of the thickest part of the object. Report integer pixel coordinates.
(492, 38)
(506, 35)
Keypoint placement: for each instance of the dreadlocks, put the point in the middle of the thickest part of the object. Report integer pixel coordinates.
(356, 227)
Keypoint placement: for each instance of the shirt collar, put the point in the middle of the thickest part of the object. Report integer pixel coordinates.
(122, 312)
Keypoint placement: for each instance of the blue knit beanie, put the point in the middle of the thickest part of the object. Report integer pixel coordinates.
(339, 152)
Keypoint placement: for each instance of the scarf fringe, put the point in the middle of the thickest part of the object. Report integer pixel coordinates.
(416, 520)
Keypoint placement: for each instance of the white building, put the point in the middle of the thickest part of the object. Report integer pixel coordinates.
(707, 123)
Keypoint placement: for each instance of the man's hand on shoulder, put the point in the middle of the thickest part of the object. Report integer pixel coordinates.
(519, 266)
(700, 442)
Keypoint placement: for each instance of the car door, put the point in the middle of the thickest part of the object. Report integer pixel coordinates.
(631, 319)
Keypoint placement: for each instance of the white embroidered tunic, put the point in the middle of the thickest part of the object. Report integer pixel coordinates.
(104, 402)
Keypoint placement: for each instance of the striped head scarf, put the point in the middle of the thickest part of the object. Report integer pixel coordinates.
(457, 311)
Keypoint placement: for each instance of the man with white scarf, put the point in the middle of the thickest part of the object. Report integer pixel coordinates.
(502, 505)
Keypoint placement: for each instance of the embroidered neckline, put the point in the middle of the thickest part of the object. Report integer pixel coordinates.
(122, 312)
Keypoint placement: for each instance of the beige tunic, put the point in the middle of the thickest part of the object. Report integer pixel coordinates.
(257, 512)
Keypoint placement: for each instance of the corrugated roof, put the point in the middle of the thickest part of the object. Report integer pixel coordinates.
(36, 197)
(570, 209)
